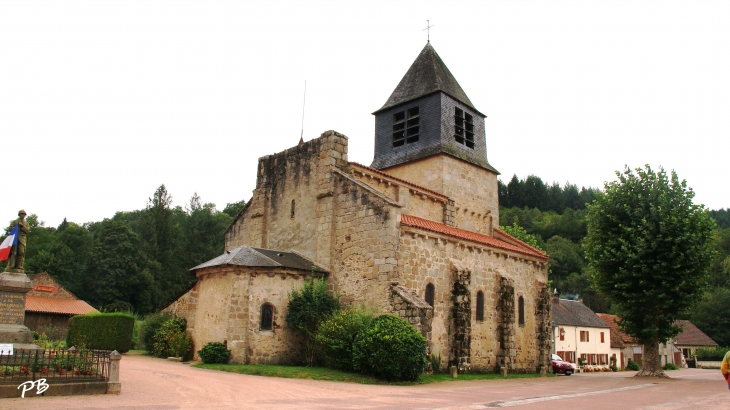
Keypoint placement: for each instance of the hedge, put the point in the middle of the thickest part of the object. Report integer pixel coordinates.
(104, 331)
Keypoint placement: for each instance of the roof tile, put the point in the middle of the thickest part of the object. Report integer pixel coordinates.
(58, 306)
(425, 224)
(403, 181)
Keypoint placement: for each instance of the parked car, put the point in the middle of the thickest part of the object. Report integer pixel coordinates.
(560, 366)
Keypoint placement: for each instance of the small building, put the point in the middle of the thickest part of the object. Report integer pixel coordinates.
(579, 333)
(668, 353)
(49, 306)
(690, 339)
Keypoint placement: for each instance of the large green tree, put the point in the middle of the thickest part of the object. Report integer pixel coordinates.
(650, 247)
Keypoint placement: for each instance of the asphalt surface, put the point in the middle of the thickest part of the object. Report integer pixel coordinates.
(150, 383)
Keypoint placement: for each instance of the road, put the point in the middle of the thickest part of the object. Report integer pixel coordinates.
(150, 383)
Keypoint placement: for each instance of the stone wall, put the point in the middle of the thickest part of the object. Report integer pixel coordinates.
(427, 257)
(409, 306)
(473, 189)
(44, 285)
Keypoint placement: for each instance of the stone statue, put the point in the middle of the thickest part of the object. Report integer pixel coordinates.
(17, 252)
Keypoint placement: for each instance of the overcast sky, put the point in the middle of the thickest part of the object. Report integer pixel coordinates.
(103, 101)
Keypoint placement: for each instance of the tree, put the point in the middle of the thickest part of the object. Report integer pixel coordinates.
(712, 315)
(307, 308)
(649, 247)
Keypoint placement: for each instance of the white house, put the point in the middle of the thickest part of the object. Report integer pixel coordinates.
(579, 333)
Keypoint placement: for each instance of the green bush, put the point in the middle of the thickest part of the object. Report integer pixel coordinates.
(613, 367)
(105, 331)
(633, 365)
(336, 336)
(670, 366)
(711, 354)
(391, 349)
(214, 352)
(148, 329)
(171, 339)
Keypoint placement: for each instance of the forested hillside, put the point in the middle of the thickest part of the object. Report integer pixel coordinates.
(556, 216)
(134, 261)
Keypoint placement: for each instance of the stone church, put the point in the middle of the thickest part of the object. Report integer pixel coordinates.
(414, 234)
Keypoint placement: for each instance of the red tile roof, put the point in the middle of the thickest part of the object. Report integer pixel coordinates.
(692, 336)
(618, 338)
(57, 305)
(403, 181)
(425, 224)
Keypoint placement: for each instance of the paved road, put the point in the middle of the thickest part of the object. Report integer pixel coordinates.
(149, 383)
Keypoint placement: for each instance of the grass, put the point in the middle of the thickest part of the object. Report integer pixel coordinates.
(323, 373)
(137, 351)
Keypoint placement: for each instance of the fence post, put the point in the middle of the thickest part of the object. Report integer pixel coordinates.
(114, 386)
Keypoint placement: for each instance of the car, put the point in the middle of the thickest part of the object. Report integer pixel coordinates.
(560, 366)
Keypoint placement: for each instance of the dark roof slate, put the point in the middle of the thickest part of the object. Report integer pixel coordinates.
(259, 257)
(691, 335)
(574, 313)
(427, 75)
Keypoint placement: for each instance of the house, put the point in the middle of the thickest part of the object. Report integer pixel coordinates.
(668, 353)
(580, 334)
(415, 234)
(49, 306)
(690, 339)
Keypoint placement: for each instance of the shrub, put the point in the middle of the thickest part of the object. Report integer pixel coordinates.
(711, 354)
(171, 339)
(336, 336)
(670, 366)
(105, 331)
(390, 348)
(149, 327)
(633, 365)
(614, 368)
(307, 308)
(214, 352)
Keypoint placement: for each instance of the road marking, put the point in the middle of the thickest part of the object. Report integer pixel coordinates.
(520, 402)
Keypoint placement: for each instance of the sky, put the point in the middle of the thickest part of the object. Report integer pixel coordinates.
(101, 102)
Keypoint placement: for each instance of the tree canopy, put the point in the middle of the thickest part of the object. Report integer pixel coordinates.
(650, 248)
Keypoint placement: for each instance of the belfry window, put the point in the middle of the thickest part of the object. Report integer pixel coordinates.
(430, 290)
(406, 127)
(267, 317)
(463, 127)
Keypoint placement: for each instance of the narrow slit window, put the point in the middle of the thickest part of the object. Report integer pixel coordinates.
(480, 306)
(430, 290)
(267, 317)
(521, 311)
(463, 127)
(406, 127)
(292, 208)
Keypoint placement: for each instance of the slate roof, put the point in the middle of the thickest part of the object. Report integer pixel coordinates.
(428, 74)
(575, 313)
(40, 304)
(692, 336)
(428, 225)
(259, 257)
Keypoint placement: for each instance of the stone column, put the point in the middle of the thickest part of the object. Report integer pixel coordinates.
(13, 287)
(114, 386)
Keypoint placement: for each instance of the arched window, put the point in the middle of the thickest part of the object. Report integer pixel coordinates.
(429, 294)
(521, 311)
(267, 317)
(480, 306)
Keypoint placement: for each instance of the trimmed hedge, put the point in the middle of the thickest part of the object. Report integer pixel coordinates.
(104, 331)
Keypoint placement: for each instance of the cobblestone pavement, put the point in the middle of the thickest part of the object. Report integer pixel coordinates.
(149, 383)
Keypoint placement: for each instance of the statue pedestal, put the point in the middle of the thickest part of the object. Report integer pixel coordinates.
(13, 287)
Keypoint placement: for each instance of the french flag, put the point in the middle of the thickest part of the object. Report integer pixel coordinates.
(8, 243)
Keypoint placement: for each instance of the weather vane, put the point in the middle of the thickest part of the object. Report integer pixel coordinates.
(428, 30)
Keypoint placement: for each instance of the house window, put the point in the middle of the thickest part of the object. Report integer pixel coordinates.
(584, 336)
(429, 294)
(267, 317)
(521, 311)
(602, 341)
(405, 127)
(480, 306)
(463, 127)
(561, 332)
